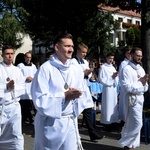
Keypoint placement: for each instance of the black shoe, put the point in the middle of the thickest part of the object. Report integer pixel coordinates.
(96, 137)
(107, 129)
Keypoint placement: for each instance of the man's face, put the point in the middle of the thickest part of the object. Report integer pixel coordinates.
(28, 58)
(137, 57)
(64, 49)
(8, 56)
(128, 55)
(82, 52)
(110, 59)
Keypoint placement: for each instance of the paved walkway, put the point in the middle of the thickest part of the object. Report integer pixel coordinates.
(107, 143)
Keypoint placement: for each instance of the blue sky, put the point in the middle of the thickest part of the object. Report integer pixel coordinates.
(139, 0)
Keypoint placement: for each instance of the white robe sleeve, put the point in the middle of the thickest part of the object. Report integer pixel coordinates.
(2, 89)
(106, 79)
(85, 100)
(131, 84)
(20, 88)
(2, 82)
(46, 102)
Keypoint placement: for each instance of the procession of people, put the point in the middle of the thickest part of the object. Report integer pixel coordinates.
(66, 86)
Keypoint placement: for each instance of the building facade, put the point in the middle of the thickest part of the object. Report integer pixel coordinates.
(123, 20)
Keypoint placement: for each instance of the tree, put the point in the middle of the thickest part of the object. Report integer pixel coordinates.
(97, 32)
(48, 18)
(79, 17)
(145, 34)
(137, 33)
(12, 18)
(130, 37)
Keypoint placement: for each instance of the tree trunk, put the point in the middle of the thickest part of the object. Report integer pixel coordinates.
(145, 39)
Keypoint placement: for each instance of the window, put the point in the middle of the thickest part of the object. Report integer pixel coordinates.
(111, 38)
(137, 22)
(129, 21)
(120, 19)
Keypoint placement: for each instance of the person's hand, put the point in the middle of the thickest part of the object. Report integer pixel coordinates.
(88, 71)
(72, 94)
(114, 75)
(144, 79)
(10, 84)
(29, 79)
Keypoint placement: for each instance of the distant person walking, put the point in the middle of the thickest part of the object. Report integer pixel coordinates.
(134, 83)
(28, 69)
(11, 88)
(82, 50)
(108, 77)
(122, 100)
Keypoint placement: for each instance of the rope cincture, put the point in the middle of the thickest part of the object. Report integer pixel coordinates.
(130, 101)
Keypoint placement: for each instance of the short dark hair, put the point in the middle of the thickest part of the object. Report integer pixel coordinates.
(19, 58)
(110, 54)
(134, 49)
(61, 36)
(6, 47)
(126, 49)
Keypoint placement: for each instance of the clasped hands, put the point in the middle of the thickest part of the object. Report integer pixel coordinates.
(72, 94)
(10, 85)
(29, 79)
(88, 71)
(114, 75)
(144, 79)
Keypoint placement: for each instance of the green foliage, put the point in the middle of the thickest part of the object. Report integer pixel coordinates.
(130, 37)
(10, 31)
(97, 32)
(133, 37)
(55, 16)
(12, 28)
(137, 33)
(43, 19)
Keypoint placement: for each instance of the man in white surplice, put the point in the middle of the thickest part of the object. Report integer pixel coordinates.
(11, 88)
(28, 69)
(59, 96)
(134, 84)
(122, 101)
(108, 76)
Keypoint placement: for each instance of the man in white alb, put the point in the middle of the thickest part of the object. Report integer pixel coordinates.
(11, 88)
(122, 101)
(28, 69)
(134, 83)
(108, 76)
(59, 97)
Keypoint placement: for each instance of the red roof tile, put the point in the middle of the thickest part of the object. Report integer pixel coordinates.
(125, 12)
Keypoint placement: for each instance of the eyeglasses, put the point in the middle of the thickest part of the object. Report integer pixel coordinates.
(139, 56)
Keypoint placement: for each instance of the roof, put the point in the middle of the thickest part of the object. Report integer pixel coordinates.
(118, 10)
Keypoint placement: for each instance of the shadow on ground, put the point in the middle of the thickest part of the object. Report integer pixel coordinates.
(28, 129)
(106, 144)
(94, 146)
